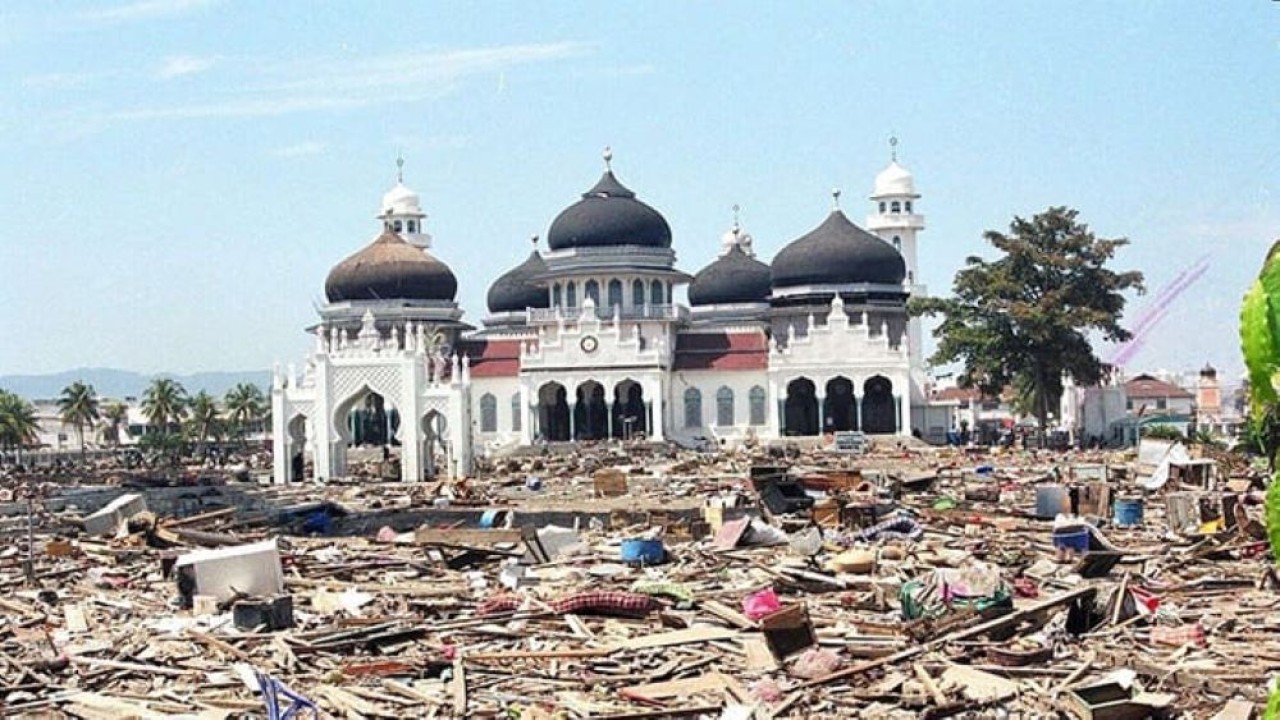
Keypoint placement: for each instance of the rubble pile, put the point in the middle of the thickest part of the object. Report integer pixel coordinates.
(902, 582)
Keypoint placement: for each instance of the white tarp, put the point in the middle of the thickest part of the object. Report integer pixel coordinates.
(1175, 453)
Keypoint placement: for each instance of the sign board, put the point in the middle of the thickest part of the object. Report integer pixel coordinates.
(850, 441)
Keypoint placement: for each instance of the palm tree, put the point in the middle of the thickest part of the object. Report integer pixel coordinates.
(165, 404)
(18, 424)
(245, 405)
(204, 418)
(116, 415)
(78, 407)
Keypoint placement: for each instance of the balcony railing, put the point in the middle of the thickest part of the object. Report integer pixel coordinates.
(575, 314)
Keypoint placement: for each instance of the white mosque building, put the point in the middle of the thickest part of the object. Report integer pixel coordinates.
(584, 340)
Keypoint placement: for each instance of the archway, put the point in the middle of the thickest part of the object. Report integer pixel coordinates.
(371, 421)
(553, 412)
(629, 413)
(367, 424)
(297, 448)
(591, 413)
(801, 408)
(878, 414)
(839, 412)
(435, 444)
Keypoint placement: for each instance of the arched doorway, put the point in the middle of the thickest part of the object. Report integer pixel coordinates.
(591, 414)
(629, 414)
(298, 457)
(801, 408)
(372, 422)
(435, 444)
(839, 412)
(878, 414)
(367, 425)
(553, 412)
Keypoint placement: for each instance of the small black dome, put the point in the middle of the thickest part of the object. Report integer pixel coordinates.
(735, 277)
(515, 291)
(837, 252)
(608, 214)
(390, 269)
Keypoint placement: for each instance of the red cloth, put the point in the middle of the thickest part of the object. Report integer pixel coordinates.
(1184, 635)
(605, 601)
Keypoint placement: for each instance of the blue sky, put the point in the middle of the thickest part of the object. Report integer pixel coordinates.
(181, 174)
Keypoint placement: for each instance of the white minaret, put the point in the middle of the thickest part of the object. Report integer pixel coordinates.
(401, 211)
(894, 219)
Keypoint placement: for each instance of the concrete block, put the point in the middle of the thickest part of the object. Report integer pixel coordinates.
(108, 520)
(252, 569)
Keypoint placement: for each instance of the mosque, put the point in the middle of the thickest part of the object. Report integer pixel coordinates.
(585, 340)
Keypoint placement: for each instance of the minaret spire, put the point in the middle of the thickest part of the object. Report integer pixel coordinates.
(736, 226)
(400, 167)
(608, 158)
(893, 148)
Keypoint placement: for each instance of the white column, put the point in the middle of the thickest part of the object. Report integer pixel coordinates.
(282, 456)
(773, 402)
(658, 431)
(323, 460)
(411, 414)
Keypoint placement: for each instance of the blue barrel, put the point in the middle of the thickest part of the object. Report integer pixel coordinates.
(1073, 539)
(1128, 512)
(642, 551)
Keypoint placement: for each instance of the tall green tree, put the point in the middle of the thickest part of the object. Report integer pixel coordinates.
(78, 407)
(165, 404)
(1024, 319)
(18, 424)
(116, 415)
(245, 405)
(203, 419)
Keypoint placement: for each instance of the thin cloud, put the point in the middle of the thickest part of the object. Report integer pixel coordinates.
(182, 65)
(334, 84)
(140, 10)
(58, 81)
(302, 149)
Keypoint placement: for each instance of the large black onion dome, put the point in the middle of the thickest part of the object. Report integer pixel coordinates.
(515, 291)
(837, 252)
(735, 277)
(608, 214)
(390, 269)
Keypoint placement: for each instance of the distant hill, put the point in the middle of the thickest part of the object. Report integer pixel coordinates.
(113, 383)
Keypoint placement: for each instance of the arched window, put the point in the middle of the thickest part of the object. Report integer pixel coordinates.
(571, 295)
(517, 412)
(396, 226)
(895, 206)
(637, 293)
(907, 205)
(724, 407)
(615, 293)
(557, 297)
(413, 226)
(757, 398)
(692, 408)
(655, 293)
(592, 290)
(897, 243)
(488, 413)
(882, 207)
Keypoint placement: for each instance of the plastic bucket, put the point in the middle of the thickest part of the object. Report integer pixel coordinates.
(1128, 511)
(1051, 501)
(1073, 539)
(642, 551)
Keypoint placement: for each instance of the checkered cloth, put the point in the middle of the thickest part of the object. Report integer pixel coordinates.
(1183, 635)
(894, 528)
(499, 604)
(605, 602)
